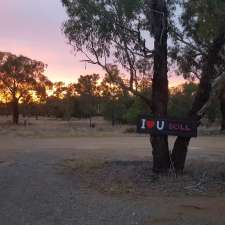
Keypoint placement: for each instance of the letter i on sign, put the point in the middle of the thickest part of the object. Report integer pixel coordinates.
(143, 124)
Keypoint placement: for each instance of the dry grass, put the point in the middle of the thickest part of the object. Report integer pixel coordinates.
(84, 166)
(51, 127)
(136, 178)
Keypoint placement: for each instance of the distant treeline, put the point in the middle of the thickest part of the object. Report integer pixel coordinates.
(91, 97)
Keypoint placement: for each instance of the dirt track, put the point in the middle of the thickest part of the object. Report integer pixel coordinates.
(123, 147)
(32, 192)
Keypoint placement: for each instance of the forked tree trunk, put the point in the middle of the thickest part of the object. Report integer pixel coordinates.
(161, 160)
(222, 106)
(181, 144)
(15, 111)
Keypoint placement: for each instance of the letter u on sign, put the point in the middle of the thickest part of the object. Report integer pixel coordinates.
(160, 125)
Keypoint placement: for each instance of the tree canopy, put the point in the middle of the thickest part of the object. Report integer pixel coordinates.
(201, 23)
(113, 33)
(22, 79)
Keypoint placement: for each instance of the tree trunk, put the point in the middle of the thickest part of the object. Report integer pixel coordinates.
(222, 106)
(161, 159)
(208, 72)
(15, 111)
(113, 113)
(179, 153)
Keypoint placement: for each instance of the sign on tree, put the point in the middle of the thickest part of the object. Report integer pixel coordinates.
(162, 126)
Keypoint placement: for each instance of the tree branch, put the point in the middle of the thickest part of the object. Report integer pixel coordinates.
(217, 87)
(109, 72)
(190, 45)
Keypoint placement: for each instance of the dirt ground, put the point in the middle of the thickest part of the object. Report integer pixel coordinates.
(34, 191)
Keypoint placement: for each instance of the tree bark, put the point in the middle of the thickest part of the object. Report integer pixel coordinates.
(90, 121)
(113, 112)
(15, 111)
(161, 159)
(208, 72)
(222, 106)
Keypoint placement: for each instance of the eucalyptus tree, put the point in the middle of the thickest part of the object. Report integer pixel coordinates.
(131, 34)
(88, 90)
(59, 90)
(111, 94)
(199, 52)
(22, 78)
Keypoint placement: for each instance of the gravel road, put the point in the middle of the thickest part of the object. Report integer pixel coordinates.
(33, 192)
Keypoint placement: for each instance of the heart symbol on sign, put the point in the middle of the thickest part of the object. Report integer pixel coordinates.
(150, 124)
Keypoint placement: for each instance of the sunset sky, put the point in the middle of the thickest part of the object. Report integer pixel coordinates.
(33, 28)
